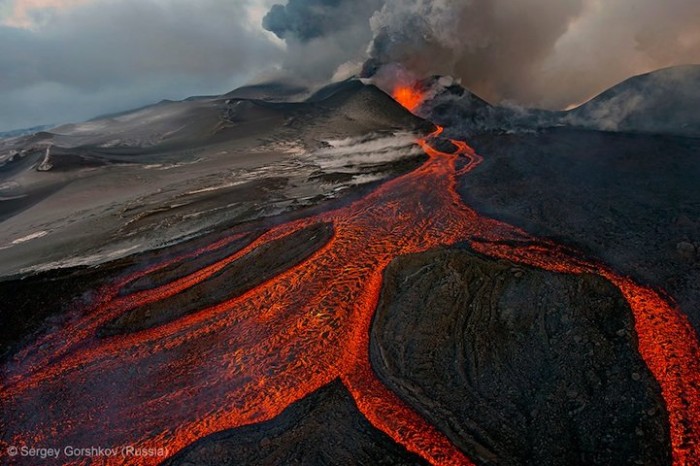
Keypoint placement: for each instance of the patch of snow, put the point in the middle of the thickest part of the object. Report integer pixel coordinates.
(93, 259)
(24, 239)
(216, 188)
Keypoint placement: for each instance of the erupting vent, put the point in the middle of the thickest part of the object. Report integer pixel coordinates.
(409, 97)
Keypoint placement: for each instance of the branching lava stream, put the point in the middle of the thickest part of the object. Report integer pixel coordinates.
(245, 360)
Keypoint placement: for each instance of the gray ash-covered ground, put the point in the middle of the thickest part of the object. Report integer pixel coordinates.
(97, 191)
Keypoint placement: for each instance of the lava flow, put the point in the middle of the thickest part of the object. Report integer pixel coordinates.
(246, 359)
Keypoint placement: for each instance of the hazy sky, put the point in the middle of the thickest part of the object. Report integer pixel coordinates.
(68, 60)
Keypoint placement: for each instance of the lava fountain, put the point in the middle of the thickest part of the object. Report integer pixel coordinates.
(247, 358)
(409, 96)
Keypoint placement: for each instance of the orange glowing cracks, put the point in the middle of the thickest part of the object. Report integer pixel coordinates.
(409, 96)
(243, 361)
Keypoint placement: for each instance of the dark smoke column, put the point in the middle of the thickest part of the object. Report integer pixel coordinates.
(322, 36)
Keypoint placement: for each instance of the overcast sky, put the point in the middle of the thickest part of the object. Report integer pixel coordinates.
(69, 60)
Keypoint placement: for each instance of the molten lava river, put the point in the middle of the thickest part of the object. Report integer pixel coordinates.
(244, 360)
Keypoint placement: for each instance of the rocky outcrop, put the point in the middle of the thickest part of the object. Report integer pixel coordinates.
(518, 366)
(323, 429)
(179, 269)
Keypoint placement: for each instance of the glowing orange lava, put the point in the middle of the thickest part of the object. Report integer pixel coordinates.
(245, 360)
(409, 96)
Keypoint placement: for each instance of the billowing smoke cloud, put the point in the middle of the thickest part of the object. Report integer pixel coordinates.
(495, 46)
(325, 38)
(613, 40)
(306, 19)
(549, 53)
(72, 59)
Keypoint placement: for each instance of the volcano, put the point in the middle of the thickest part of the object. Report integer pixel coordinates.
(661, 102)
(248, 280)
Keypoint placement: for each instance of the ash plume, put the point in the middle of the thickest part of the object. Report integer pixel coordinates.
(324, 37)
(495, 47)
(538, 53)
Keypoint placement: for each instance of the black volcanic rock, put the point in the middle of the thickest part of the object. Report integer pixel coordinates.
(662, 102)
(518, 366)
(627, 200)
(35, 304)
(454, 106)
(323, 429)
(179, 269)
(464, 113)
(347, 85)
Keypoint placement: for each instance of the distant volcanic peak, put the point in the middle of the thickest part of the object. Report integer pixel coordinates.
(660, 102)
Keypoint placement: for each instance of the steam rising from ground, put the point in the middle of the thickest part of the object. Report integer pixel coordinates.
(368, 150)
(549, 53)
